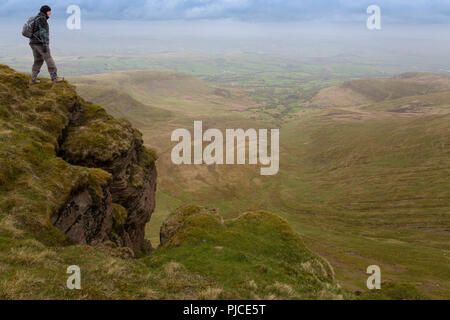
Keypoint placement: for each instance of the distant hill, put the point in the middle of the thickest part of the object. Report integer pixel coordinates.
(121, 104)
(150, 82)
(360, 92)
(157, 93)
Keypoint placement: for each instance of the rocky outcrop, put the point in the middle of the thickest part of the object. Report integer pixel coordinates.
(100, 141)
(74, 166)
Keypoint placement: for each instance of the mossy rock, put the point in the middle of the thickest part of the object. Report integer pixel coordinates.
(181, 217)
(120, 215)
(98, 179)
(146, 159)
(99, 139)
(255, 256)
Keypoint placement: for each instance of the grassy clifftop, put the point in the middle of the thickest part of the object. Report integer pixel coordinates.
(34, 182)
(70, 179)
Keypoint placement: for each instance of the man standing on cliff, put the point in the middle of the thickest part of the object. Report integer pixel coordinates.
(39, 43)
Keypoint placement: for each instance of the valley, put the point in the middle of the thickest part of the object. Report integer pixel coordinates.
(364, 165)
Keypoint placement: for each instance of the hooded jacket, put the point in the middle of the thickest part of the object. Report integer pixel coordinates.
(41, 30)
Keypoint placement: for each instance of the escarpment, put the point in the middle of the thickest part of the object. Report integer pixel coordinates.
(73, 166)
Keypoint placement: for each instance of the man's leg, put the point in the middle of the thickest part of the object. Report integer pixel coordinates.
(51, 65)
(38, 61)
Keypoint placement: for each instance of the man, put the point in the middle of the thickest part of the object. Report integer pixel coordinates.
(39, 43)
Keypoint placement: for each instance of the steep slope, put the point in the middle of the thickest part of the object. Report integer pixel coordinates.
(67, 162)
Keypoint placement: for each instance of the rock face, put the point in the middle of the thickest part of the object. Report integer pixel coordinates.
(100, 141)
(85, 219)
(80, 169)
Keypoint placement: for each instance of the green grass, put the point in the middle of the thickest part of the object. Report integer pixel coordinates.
(374, 192)
(255, 256)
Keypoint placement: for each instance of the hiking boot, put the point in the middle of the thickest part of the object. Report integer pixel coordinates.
(35, 81)
(58, 79)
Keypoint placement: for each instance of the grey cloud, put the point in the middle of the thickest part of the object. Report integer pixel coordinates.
(420, 11)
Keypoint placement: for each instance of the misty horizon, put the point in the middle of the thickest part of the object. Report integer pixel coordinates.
(420, 45)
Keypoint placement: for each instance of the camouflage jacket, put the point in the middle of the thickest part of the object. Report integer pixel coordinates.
(41, 30)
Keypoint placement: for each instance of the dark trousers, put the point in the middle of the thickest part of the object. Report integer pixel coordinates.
(39, 57)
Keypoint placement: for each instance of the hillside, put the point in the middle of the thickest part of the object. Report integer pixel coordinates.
(150, 82)
(367, 91)
(77, 188)
(163, 91)
(362, 182)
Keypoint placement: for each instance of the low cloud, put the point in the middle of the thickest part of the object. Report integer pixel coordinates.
(417, 11)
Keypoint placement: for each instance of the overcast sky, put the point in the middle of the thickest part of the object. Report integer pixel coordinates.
(401, 11)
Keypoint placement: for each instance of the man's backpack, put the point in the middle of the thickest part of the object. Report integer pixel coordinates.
(28, 27)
